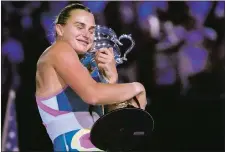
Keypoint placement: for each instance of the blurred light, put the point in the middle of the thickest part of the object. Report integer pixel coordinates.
(47, 18)
(180, 32)
(47, 24)
(220, 9)
(165, 72)
(154, 26)
(144, 10)
(56, 6)
(169, 28)
(197, 56)
(194, 37)
(95, 6)
(127, 13)
(199, 9)
(26, 22)
(148, 8)
(14, 50)
(10, 131)
(210, 33)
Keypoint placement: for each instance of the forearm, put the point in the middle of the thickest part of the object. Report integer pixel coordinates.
(112, 78)
(116, 93)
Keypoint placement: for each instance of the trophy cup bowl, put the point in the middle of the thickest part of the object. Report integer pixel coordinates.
(118, 128)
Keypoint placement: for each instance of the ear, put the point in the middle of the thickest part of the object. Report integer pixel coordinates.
(59, 29)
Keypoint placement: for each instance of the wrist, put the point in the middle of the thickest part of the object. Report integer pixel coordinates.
(138, 87)
(113, 80)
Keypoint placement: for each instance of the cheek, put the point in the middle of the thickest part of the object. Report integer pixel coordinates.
(91, 41)
(92, 38)
(71, 32)
(89, 46)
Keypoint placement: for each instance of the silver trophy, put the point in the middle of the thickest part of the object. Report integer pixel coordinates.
(105, 38)
(118, 126)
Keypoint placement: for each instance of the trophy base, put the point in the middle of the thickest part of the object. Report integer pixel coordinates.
(122, 129)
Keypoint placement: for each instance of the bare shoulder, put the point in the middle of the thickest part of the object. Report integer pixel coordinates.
(63, 50)
(63, 54)
(47, 79)
(56, 50)
(45, 57)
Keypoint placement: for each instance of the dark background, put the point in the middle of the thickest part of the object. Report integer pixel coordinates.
(186, 118)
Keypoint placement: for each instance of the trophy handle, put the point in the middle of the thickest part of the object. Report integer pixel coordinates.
(125, 36)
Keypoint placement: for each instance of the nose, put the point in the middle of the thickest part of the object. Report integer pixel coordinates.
(86, 34)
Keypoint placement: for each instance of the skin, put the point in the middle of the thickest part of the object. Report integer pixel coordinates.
(107, 64)
(60, 66)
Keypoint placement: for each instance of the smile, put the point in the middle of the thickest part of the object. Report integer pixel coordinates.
(83, 42)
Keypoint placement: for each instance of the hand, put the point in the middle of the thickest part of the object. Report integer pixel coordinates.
(141, 97)
(142, 103)
(107, 64)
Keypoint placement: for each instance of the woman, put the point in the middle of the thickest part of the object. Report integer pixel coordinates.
(65, 88)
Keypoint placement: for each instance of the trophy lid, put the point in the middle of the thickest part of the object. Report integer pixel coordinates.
(122, 129)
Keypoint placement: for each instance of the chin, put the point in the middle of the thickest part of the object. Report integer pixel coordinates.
(81, 51)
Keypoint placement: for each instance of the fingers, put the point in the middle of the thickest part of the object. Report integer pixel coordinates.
(102, 60)
(104, 55)
(142, 104)
(134, 104)
(110, 50)
(107, 51)
(101, 65)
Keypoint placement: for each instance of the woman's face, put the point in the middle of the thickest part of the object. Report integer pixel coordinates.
(78, 30)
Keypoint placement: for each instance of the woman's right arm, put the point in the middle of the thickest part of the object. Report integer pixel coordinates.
(69, 68)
